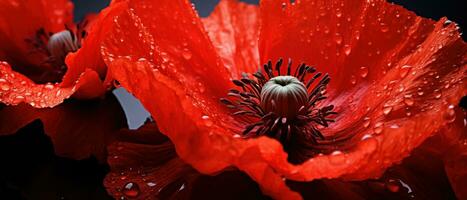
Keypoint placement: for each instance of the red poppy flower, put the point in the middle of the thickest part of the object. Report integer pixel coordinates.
(45, 59)
(395, 80)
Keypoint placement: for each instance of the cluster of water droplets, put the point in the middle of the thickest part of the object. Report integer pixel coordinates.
(15, 88)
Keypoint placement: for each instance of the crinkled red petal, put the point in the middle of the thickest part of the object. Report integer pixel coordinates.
(144, 165)
(78, 129)
(88, 57)
(17, 88)
(183, 51)
(235, 35)
(19, 20)
(390, 118)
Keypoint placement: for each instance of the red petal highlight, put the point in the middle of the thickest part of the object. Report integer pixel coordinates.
(20, 19)
(204, 133)
(235, 35)
(78, 129)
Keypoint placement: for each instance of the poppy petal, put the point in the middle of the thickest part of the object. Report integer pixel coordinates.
(144, 165)
(78, 129)
(235, 35)
(89, 56)
(19, 20)
(16, 88)
(183, 52)
(204, 133)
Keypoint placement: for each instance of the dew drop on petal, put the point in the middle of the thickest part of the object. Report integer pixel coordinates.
(131, 189)
(151, 184)
(363, 72)
(392, 185)
(450, 114)
(5, 87)
(387, 109)
(437, 94)
(347, 49)
(49, 86)
(187, 54)
(337, 157)
(207, 120)
(366, 122)
(404, 70)
(394, 126)
(366, 136)
(378, 127)
(353, 80)
(338, 39)
(408, 100)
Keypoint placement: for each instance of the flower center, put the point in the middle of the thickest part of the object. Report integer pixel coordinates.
(60, 44)
(56, 46)
(283, 106)
(283, 95)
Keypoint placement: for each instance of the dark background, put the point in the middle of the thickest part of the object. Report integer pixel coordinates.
(29, 169)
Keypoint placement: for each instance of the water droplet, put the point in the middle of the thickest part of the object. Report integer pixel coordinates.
(366, 122)
(207, 120)
(404, 70)
(394, 126)
(378, 127)
(450, 114)
(384, 28)
(408, 100)
(5, 87)
(347, 49)
(187, 54)
(392, 185)
(387, 109)
(363, 72)
(131, 189)
(353, 80)
(19, 97)
(49, 86)
(337, 157)
(437, 94)
(151, 184)
(366, 136)
(338, 39)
